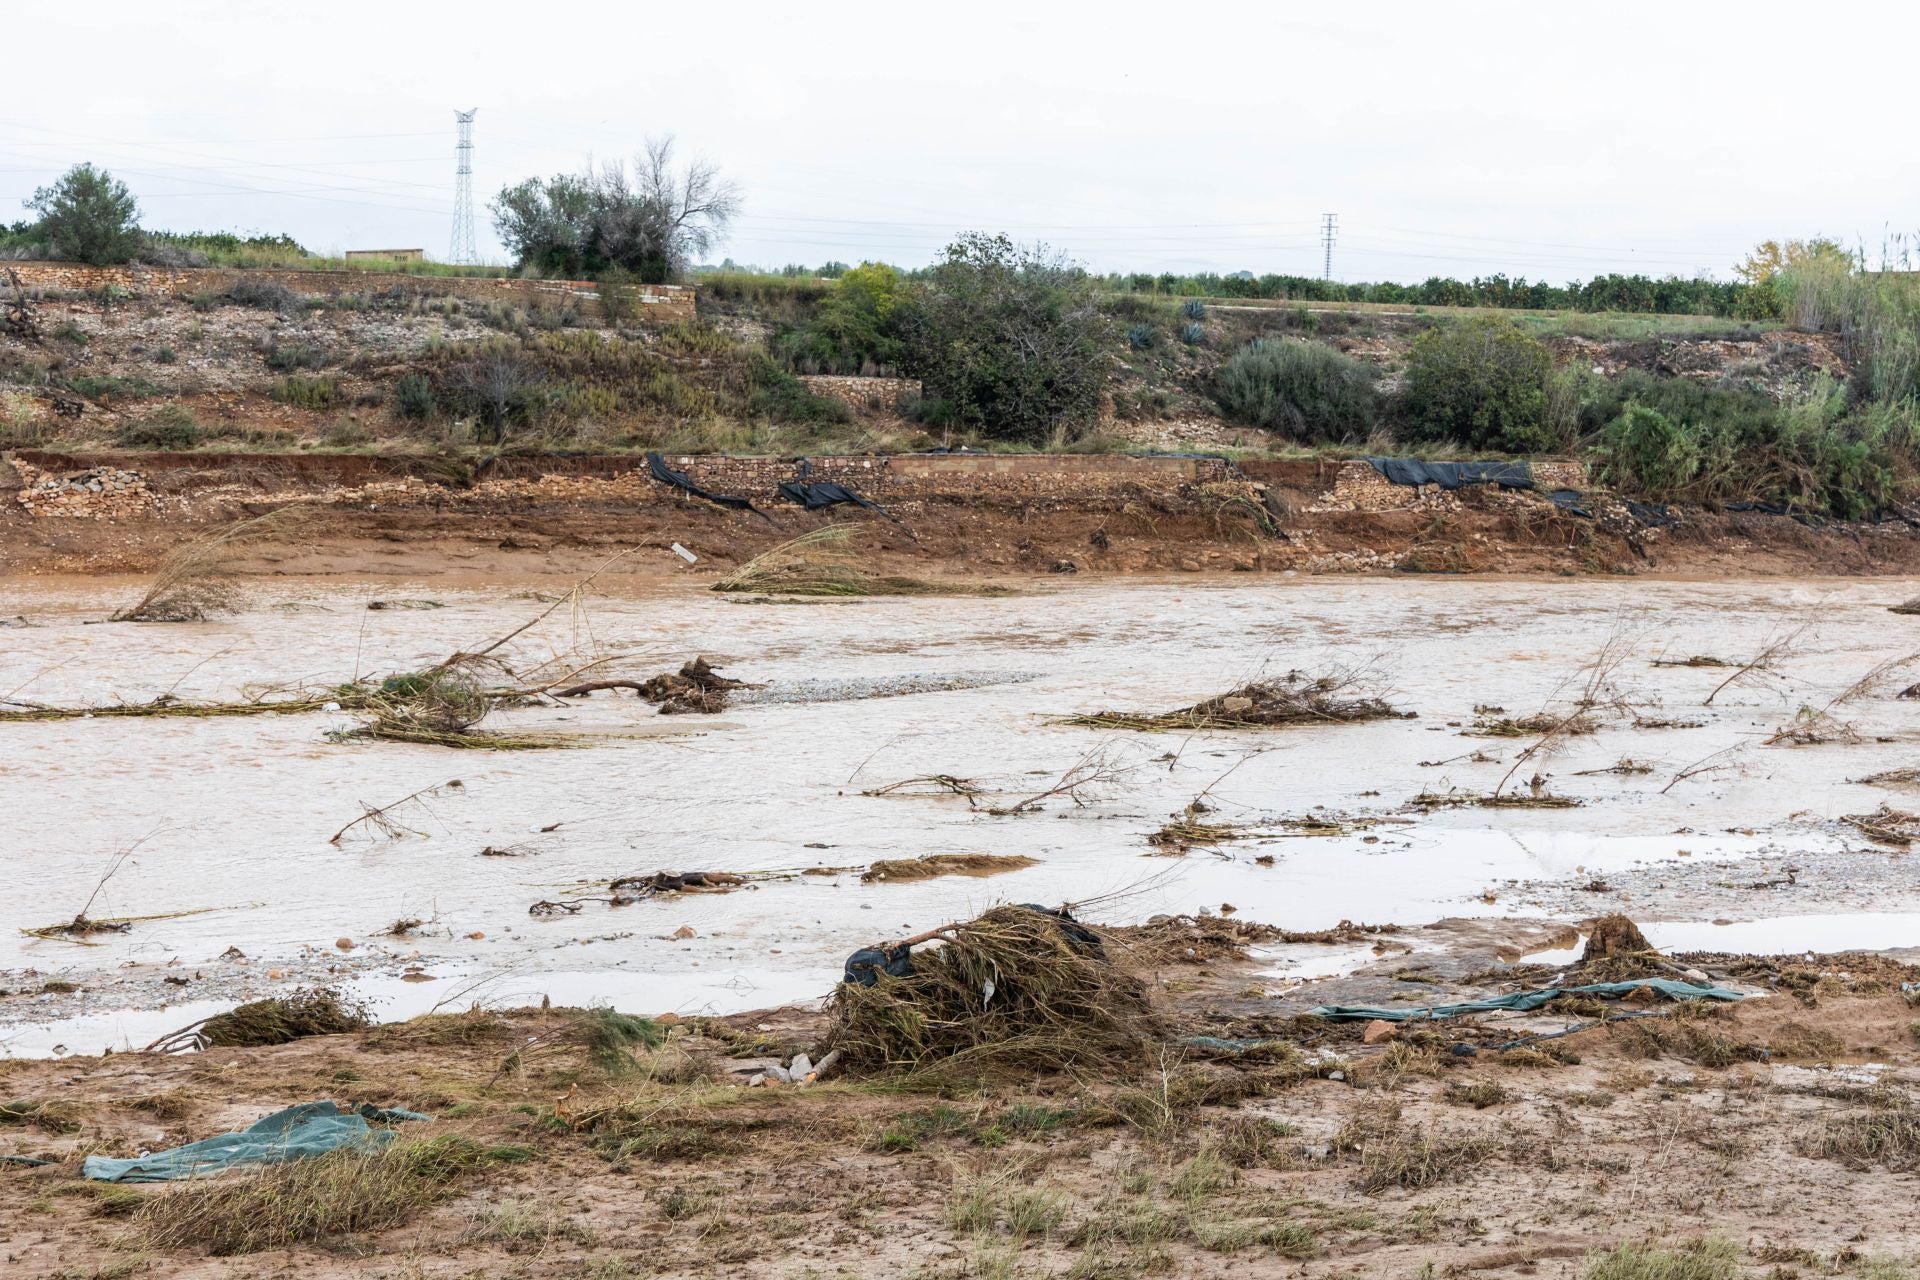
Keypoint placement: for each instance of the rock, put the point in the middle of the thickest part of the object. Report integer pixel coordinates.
(476, 935)
(684, 932)
(1233, 705)
(1379, 1031)
(345, 944)
(1696, 977)
(758, 1079)
(801, 1068)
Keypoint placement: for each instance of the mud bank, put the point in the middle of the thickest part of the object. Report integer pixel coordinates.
(966, 517)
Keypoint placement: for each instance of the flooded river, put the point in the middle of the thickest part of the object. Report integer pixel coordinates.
(230, 818)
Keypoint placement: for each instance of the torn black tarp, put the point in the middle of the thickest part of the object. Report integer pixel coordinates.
(818, 494)
(1654, 515)
(1452, 475)
(1568, 500)
(658, 468)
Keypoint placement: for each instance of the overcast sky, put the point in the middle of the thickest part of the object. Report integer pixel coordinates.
(1540, 139)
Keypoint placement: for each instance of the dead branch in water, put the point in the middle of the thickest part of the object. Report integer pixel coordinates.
(1597, 689)
(1780, 646)
(940, 784)
(381, 819)
(1093, 770)
(1721, 759)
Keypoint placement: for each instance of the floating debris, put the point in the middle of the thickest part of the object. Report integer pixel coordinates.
(1294, 699)
(1886, 825)
(904, 870)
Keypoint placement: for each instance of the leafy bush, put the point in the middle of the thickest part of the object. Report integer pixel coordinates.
(1009, 340)
(306, 393)
(88, 216)
(1308, 391)
(170, 427)
(1645, 452)
(1141, 336)
(413, 397)
(855, 326)
(1481, 383)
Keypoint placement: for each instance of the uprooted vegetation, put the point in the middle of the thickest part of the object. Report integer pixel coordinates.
(1052, 1001)
(311, 1011)
(1340, 696)
(202, 578)
(823, 562)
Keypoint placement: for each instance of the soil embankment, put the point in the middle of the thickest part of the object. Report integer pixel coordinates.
(953, 515)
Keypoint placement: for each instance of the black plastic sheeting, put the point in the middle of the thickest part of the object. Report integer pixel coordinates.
(816, 495)
(1568, 500)
(658, 468)
(1654, 515)
(865, 966)
(1452, 475)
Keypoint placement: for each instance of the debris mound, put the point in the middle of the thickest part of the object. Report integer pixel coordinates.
(1886, 825)
(1618, 950)
(1293, 699)
(820, 563)
(902, 870)
(1911, 607)
(1020, 989)
(310, 1011)
(697, 689)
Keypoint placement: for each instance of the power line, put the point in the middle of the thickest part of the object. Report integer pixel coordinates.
(463, 253)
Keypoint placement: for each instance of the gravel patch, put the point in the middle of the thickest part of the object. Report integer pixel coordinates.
(853, 688)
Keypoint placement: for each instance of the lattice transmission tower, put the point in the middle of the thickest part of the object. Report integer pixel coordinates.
(463, 253)
(1329, 228)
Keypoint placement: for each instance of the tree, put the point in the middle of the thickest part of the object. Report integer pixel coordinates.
(88, 216)
(1772, 257)
(655, 222)
(1482, 383)
(1008, 339)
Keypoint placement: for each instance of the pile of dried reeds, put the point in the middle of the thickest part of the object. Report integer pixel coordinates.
(441, 707)
(202, 578)
(1017, 990)
(1294, 699)
(1910, 607)
(1886, 825)
(821, 563)
(310, 1011)
(903, 870)
(696, 689)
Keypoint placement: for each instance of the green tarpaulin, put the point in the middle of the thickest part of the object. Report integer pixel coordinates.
(1521, 1001)
(297, 1133)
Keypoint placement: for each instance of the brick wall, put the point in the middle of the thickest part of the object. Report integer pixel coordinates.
(654, 303)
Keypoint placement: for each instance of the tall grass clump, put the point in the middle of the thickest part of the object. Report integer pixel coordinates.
(1310, 392)
(340, 1193)
(202, 578)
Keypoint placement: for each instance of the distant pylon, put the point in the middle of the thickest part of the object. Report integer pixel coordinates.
(463, 253)
(1329, 225)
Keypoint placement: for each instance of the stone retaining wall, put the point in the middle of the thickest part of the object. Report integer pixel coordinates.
(863, 395)
(653, 303)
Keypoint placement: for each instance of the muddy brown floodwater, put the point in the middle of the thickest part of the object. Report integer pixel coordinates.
(231, 817)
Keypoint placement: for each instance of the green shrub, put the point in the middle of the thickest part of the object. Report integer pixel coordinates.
(170, 427)
(1193, 335)
(88, 216)
(413, 397)
(164, 355)
(294, 356)
(855, 328)
(1308, 391)
(111, 387)
(1141, 336)
(1645, 452)
(1481, 383)
(1009, 340)
(306, 393)
(1194, 309)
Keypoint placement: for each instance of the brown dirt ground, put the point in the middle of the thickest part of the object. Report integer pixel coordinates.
(1395, 1159)
(539, 526)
